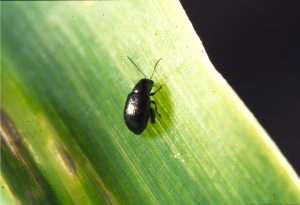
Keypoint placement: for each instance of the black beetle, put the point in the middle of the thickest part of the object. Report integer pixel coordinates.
(137, 107)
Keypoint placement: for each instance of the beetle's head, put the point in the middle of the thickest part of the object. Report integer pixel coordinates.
(149, 82)
(144, 85)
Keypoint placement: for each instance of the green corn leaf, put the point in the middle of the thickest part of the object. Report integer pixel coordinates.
(65, 78)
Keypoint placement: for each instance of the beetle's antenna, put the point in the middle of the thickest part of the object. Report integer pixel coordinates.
(154, 68)
(136, 66)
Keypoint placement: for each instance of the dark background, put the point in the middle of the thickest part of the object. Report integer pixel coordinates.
(255, 45)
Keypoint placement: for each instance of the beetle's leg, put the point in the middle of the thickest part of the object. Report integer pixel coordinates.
(156, 91)
(152, 116)
(155, 106)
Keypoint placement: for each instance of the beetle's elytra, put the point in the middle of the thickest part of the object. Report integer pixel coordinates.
(138, 110)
